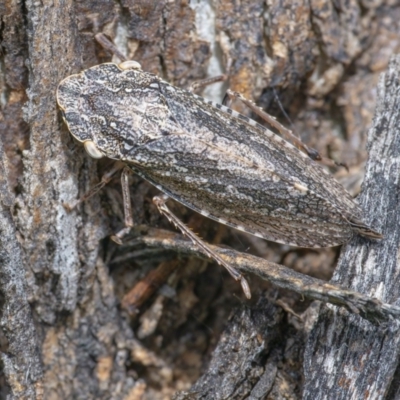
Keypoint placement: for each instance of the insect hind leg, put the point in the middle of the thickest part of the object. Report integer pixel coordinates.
(206, 82)
(286, 133)
(160, 202)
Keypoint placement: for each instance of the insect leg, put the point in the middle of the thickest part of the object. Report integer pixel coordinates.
(205, 82)
(160, 202)
(107, 44)
(117, 238)
(95, 189)
(287, 133)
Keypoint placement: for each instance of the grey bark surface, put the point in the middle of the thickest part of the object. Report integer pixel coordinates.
(244, 364)
(22, 362)
(69, 326)
(347, 358)
(69, 294)
(369, 308)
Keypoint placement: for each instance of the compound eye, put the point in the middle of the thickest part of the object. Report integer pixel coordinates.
(92, 149)
(129, 65)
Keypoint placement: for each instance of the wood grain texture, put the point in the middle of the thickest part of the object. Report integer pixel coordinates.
(347, 358)
(63, 333)
(22, 366)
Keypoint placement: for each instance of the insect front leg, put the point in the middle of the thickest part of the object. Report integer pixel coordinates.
(126, 198)
(160, 202)
(105, 179)
(109, 45)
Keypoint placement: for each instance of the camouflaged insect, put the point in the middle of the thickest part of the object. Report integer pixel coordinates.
(208, 157)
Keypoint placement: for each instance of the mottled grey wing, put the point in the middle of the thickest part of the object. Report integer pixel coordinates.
(208, 157)
(235, 191)
(244, 133)
(243, 175)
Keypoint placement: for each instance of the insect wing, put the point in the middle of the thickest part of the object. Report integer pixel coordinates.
(209, 157)
(230, 169)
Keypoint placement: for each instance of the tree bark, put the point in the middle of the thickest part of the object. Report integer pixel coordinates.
(365, 357)
(82, 318)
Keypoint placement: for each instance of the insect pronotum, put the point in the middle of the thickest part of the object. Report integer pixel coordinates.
(208, 157)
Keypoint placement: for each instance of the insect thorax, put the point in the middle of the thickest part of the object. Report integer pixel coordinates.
(117, 110)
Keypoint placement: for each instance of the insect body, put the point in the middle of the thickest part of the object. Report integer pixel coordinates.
(208, 157)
